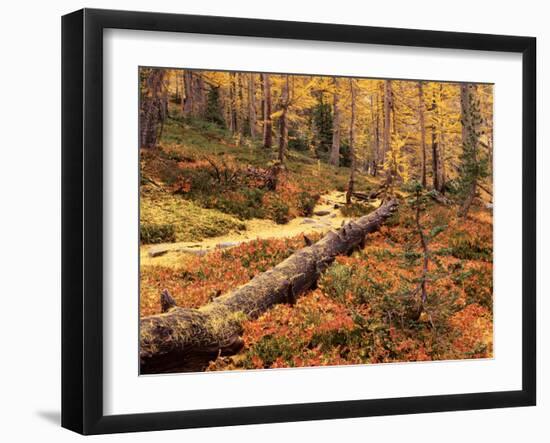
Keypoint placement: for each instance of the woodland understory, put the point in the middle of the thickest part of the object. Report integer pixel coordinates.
(292, 220)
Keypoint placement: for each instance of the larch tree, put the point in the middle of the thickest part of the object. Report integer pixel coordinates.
(233, 123)
(152, 107)
(473, 168)
(422, 124)
(352, 153)
(387, 118)
(283, 120)
(375, 131)
(252, 105)
(335, 148)
(187, 105)
(267, 135)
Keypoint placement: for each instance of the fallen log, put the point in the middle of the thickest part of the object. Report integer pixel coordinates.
(183, 340)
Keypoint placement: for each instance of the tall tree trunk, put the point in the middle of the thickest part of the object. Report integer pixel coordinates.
(469, 136)
(252, 105)
(436, 157)
(283, 123)
(177, 96)
(199, 98)
(262, 95)
(442, 146)
(187, 104)
(387, 118)
(233, 127)
(351, 183)
(267, 111)
(375, 136)
(335, 149)
(464, 111)
(152, 109)
(422, 133)
(241, 112)
(187, 339)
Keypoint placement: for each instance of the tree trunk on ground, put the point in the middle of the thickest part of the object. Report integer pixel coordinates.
(335, 149)
(267, 111)
(180, 339)
(351, 183)
(422, 133)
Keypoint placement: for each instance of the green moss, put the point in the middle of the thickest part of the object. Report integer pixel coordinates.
(190, 222)
(156, 233)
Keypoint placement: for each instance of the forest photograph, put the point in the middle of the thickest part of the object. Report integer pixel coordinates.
(291, 221)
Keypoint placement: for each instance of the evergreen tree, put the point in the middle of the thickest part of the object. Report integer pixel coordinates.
(322, 120)
(473, 167)
(213, 109)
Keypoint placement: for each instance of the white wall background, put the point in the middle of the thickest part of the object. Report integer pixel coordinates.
(30, 219)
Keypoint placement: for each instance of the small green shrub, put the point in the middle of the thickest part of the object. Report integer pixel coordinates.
(269, 348)
(157, 233)
(278, 211)
(327, 340)
(306, 203)
(470, 246)
(245, 204)
(336, 281)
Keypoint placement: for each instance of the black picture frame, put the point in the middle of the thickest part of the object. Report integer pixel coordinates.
(82, 219)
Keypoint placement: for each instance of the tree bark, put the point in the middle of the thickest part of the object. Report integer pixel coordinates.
(187, 103)
(351, 183)
(387, 118)
(375, 136)
(436, 155)
(422, 133)
(267, 111)
(233, 125)
(151, 109)
(442, 145)
(283, 123)
(469, 129)
(252, 105)
(183, 340)
(335, 149)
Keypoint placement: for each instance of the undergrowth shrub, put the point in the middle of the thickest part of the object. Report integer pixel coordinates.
(157, 233)
(468, 245)
(246, 203)
(306, 203)
(269, 349)
(277, 209)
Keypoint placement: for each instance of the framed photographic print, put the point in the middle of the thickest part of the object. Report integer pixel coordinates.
(270, 221)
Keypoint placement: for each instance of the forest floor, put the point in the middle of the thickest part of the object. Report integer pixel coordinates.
(207, 229)
(325, 216)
